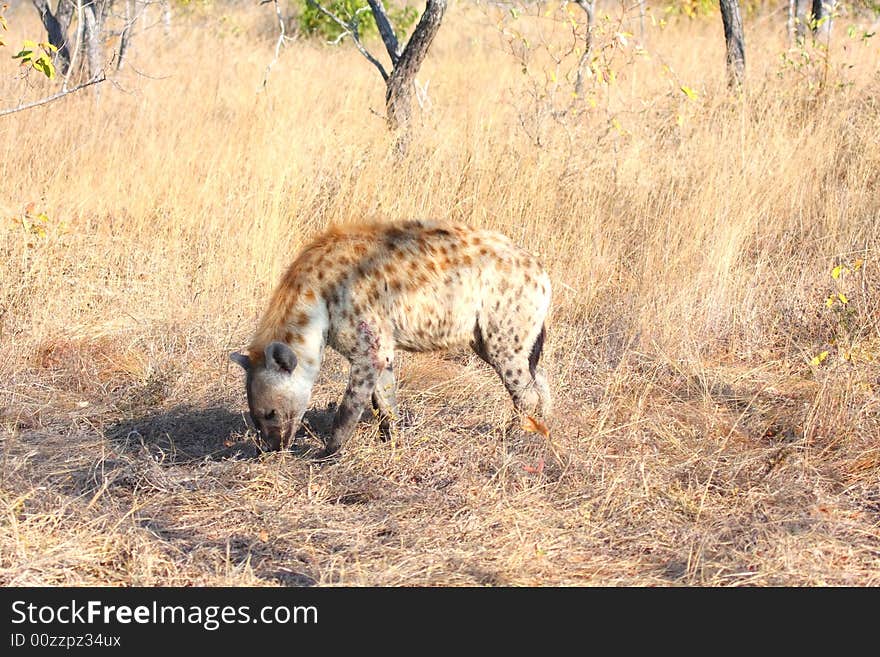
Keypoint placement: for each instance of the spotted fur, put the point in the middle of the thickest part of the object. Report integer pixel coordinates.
(366, 290)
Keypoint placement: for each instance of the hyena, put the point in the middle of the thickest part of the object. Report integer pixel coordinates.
(366, 290)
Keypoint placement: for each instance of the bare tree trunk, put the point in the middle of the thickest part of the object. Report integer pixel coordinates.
(589, 9)
(642, 22)
(77, 42)
(166, 17)
(733, 35)
(399, 87)
(126, 33)
(802, 11)
(92, 25)
(56, 28)
(821, 10)
(817, 11)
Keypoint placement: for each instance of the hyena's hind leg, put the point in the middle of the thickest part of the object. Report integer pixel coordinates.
(516, 362)
(385, 403)
(545, 401)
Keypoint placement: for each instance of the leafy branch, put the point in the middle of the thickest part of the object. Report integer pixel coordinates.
(39, 56)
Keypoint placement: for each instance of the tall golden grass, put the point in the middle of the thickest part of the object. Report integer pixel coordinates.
(690, 233)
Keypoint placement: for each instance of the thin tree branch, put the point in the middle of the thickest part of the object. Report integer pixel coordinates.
(389, 38)
(341, 36)
(352, 28)
(79, 31)
(48, 99)
(422, 94)
(281, 37)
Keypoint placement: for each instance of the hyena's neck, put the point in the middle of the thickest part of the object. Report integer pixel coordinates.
(303, 327)
(307, 339)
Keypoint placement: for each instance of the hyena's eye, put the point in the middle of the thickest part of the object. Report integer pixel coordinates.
(271, 415)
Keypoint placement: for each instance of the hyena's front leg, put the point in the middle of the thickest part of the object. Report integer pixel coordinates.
(361, 382)
(373, 354)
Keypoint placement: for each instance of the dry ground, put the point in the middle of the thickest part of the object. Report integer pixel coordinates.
(691, 236)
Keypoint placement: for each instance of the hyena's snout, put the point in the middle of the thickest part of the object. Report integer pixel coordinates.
(277, 396)
(273, 437)
(270, 441)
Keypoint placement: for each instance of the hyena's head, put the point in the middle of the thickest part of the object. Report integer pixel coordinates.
(277, 399)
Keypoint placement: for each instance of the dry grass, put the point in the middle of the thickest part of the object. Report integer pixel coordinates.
(690, 243)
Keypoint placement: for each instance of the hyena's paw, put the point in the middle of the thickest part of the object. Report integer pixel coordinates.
(328, 455)
(389, 429)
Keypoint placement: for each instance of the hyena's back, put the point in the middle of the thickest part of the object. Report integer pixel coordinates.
(434, 286)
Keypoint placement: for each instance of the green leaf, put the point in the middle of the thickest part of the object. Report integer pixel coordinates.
(27, 51)
(690, 93)
(44, 64)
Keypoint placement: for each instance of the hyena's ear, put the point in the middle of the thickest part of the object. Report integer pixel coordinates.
(240, 358)
(280, 357)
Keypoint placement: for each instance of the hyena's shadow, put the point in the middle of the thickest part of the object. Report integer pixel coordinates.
(186, 433)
